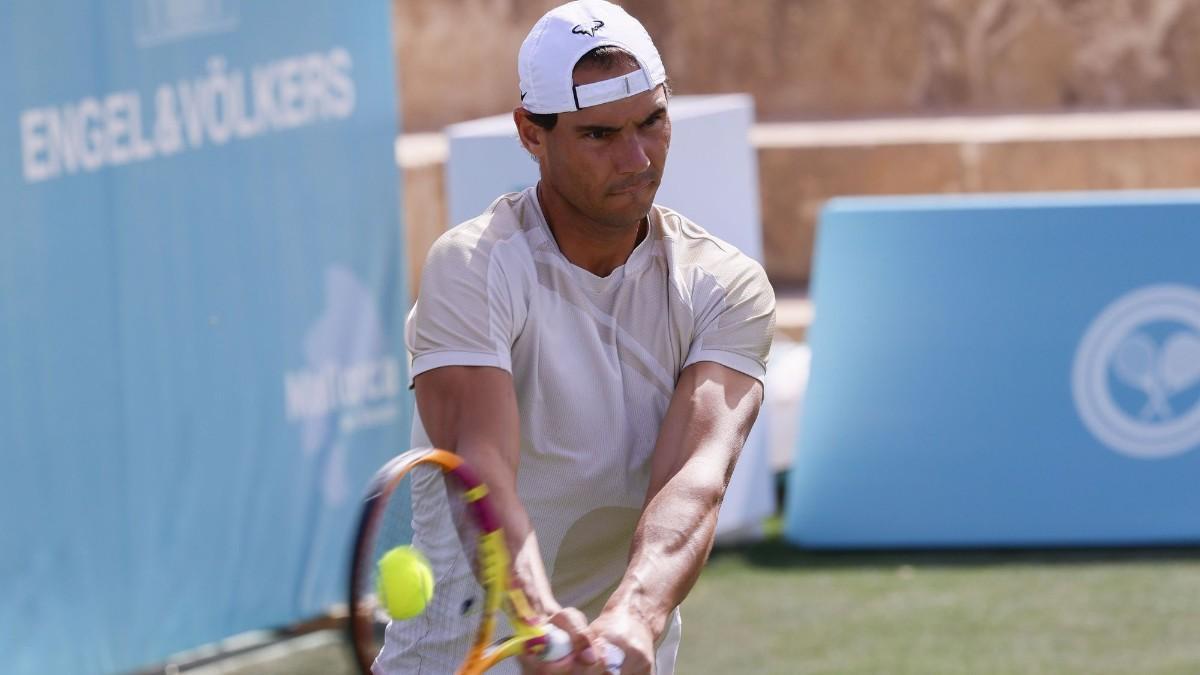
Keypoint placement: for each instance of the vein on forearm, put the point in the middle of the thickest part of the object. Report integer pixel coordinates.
(706, 425)
(672, 541)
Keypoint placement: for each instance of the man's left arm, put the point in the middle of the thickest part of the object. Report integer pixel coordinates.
(707, 421)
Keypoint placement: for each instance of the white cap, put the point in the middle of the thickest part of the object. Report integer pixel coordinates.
(567, 32)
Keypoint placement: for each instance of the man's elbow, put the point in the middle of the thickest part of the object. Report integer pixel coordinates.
(708, 492)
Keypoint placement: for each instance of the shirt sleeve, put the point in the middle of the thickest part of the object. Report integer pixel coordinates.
(734, 319)
(465, 314)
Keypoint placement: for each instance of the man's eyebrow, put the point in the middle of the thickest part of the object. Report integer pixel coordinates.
(590, 128)
(658, 112)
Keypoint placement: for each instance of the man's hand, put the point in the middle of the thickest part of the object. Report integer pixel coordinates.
(632, 636)
(583, 659)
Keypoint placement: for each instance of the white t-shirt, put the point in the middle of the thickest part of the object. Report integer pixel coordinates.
(594, 364)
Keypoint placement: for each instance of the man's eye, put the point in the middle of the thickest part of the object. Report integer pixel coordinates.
(597, 135)
(652, 121)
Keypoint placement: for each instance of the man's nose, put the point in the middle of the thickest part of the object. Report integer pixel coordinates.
(631, 157)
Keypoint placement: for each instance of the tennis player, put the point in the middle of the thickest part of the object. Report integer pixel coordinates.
(598, 358)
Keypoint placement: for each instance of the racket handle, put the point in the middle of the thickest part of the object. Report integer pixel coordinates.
(614, 658)
(558, 645)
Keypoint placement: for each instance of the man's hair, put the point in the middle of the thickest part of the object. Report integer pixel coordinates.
(601, 57)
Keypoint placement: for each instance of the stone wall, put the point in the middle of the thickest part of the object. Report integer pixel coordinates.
(802, 166)
(457, 59)
(879, 80)
(810, 59)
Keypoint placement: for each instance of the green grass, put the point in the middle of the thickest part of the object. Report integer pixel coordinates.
(771, 609)
(768, 608)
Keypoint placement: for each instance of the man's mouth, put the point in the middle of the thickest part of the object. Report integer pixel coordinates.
(638, 185)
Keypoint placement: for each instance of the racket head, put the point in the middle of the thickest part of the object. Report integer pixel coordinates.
(1179, 362)
(1135, 359)
(387, 522)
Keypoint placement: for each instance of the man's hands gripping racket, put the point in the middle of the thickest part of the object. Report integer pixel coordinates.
(390, 578)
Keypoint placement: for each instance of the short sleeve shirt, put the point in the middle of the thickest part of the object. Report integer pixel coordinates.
(594, 362)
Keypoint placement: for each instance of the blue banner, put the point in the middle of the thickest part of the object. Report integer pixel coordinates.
(1004, 370)
(201, 307)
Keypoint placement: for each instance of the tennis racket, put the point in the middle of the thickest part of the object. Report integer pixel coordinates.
(387, 523)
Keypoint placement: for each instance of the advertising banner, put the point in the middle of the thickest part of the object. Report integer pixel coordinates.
(201, 301)
(1003, 370)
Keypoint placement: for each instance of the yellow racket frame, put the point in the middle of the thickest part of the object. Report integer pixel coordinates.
(529, 634)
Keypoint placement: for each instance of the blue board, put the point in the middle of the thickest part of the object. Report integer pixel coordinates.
(1007, 370)
(201, 301)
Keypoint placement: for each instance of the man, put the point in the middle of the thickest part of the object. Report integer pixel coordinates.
(597, 358)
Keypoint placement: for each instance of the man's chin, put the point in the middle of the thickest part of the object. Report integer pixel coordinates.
(616, 222)
(635, 205)
(629, 217)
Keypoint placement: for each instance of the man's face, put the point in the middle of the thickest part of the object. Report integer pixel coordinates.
(607, 160)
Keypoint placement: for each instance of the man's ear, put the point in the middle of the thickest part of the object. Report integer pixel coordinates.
(533, 137)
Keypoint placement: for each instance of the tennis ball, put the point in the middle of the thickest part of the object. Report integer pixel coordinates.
(405, 582)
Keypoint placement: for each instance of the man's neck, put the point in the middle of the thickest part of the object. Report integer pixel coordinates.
(595, 247)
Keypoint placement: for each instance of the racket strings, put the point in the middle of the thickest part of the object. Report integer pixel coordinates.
(388, 525)
(413, 514)
(408, 508)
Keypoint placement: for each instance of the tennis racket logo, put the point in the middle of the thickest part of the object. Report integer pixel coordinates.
(1136, 377)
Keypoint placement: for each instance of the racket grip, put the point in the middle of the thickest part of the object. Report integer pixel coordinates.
(558, 645)
(614, 658)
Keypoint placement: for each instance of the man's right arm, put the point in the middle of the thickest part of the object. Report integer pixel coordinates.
(472, 411)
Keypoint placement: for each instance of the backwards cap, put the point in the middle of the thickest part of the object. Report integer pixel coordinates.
(558, 40)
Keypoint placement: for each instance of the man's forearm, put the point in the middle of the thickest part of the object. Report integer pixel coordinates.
(670, 545)
(706, 424)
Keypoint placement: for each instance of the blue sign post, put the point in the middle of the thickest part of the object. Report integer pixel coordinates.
(201, 301)
(1007, 370)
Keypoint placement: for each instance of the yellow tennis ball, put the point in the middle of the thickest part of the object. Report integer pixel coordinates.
(405, 582)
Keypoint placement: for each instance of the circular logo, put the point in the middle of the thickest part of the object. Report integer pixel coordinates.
(1136, 377)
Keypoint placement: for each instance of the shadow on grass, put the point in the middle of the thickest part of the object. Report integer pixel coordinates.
(776, 553)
